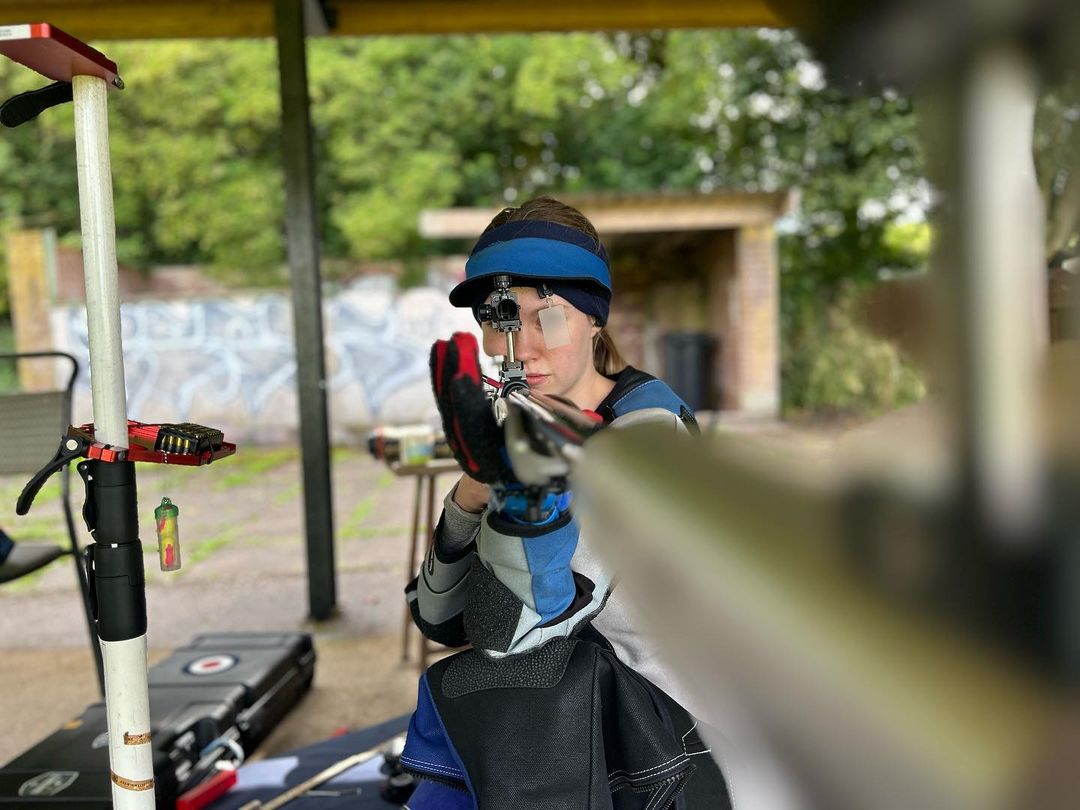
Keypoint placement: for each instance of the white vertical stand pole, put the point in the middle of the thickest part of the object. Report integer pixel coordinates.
(99, 260)
(1004, 277)
(126, 692)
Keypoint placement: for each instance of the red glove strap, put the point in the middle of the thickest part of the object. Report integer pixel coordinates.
(440, 363)
(468, 356)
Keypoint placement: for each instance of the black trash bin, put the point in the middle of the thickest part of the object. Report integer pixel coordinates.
(689, 368)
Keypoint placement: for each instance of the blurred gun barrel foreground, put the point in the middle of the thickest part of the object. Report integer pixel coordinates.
(905, 640)
(756, 583)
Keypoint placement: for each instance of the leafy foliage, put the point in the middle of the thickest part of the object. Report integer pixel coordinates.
(196, 170)
(1057, 147)
(833, 365)
(9, 378)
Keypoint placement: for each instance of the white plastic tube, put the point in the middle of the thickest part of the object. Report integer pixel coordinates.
(127, 706)
(99, 260)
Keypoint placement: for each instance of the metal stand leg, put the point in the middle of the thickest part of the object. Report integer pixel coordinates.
(425, 644)
(410, 567)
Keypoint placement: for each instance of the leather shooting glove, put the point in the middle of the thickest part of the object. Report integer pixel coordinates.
(468, 420)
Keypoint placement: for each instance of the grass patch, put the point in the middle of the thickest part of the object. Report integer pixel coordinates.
(163, 477)
(37, 531)
(354, 526)
(49, 492)
(287, 495)
(356, 520)
(208, 547)
(342, 453)
(368, 532)
(31, 580)
(362, 510)
(243, 469)
(9, 377)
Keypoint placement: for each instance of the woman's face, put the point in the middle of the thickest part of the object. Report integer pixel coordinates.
(549, 371)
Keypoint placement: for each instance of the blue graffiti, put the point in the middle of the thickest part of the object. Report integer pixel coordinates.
(236, 356)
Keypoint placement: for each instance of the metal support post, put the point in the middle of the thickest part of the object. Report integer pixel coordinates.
(301, 227)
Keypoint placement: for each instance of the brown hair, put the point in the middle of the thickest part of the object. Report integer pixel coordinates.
(547, 209)
(606, 356)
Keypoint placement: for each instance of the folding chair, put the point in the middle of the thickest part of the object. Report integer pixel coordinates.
(31, 426)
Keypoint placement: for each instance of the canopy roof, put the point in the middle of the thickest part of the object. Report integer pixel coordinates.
(634, 212)
(155, 19)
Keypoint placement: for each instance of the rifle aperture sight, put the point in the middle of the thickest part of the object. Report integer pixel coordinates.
(503, 312)
(504, 315)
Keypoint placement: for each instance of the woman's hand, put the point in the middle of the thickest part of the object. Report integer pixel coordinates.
(471, 495)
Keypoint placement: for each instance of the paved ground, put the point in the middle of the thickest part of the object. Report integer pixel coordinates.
(244, 569)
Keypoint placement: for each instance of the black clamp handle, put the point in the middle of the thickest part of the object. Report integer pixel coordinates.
(29, 105)
(71, 448)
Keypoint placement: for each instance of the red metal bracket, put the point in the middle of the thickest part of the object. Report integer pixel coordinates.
(56, 54)
(186, 444)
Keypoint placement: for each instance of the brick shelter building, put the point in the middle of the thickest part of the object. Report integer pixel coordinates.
(686, 267)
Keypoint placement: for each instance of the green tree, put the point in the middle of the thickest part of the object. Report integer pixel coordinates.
(1057, 161)
(196, 169)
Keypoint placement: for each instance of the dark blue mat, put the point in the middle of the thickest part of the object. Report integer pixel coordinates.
(267, 778)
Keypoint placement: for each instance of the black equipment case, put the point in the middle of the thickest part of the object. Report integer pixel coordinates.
(235, 686)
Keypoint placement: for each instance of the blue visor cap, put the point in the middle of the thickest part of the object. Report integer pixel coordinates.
(530, 251)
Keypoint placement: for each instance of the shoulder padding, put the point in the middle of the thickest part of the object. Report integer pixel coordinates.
(644, 391)
(648, 393)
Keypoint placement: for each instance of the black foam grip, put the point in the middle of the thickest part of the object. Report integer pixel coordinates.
(119, 591)
(29, 105)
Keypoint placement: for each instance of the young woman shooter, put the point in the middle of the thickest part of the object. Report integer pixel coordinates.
(516, 721)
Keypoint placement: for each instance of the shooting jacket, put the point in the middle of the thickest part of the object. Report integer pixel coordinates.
(557, 664)
(439, 595)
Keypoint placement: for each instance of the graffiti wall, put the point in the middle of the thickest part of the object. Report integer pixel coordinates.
(230, 361)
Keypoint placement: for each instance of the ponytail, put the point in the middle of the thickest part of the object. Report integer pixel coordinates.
(606, 356)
